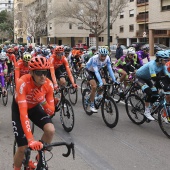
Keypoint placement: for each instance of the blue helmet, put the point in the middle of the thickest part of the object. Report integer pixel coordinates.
(168, 51)
(162, 54)
(103, 51)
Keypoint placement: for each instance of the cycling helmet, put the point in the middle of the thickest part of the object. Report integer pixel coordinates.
(22, 49)
(3, 56)
(67, 49)
(30, 47)
(131, 50)
(168, 51)
(162, 55)
(103, 51)
(38, 63)
(59, 49)
(10, 50)
(93, 49)
(27, 57)
(16, 48)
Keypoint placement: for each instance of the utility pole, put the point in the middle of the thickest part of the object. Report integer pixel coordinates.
(108, 23)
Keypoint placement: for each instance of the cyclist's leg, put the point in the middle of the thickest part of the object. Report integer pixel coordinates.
(19, 136)
(59, 75)
(43, 121)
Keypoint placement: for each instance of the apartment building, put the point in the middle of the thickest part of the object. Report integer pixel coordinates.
(6, 5)
(139, 21)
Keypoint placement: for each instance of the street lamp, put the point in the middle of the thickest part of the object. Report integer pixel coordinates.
(108, 24)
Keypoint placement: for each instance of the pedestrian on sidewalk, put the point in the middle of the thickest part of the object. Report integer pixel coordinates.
(119, 51)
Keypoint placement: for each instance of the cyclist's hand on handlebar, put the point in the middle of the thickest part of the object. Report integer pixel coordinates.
(56, 87)
(75, 86)
(38, 95)
(116, 83)
(35, 145)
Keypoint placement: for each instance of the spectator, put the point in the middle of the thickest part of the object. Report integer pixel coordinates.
(119, 51)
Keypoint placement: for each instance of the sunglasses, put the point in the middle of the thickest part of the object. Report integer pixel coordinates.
(103, 55)
(40, 72)
(9, 53)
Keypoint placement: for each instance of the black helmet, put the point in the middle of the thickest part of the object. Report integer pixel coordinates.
(67, 49)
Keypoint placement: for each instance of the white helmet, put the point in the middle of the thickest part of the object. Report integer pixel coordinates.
(131, 50)
(3, 56)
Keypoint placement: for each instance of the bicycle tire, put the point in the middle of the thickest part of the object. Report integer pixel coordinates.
(110, 106)
(135, 117)
(115, 94)
(86, 101)
(73, 95)
(162, 124)
(67, 108)
(5, 99)
(12, 86)
(84, 85)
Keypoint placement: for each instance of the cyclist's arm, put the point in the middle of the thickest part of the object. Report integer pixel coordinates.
(165, 70)
(2, 79)
(148, 57)
(23, 109)
(52, 71)
(110, 71)
(65, 62)
(48, 104)
(96, 71)
(17, 72)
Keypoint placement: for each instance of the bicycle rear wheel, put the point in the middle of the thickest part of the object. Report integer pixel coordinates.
(110, 112)
(67, 115)
(86, 101)
(164, 123)
(135, 109)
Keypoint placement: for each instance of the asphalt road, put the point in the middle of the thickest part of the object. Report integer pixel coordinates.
(125, 147)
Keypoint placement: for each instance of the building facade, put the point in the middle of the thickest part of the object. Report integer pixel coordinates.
(6, 5)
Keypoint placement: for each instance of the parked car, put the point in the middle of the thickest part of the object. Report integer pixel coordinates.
(81, 45)
(113, 50)
(157, 47)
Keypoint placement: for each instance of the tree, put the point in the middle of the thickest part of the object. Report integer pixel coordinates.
(6, 25)
(91, 13)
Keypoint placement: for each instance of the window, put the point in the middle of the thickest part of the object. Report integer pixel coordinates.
(165, 4)
(121, 29)
(9, 2)
(122, 15)
(80, 25)
(70, 25)
(111, 39)
(101, 39)
(110, 26)
(100, 2)
(131, 0)
(131, 28)
(50, 26)
(131, 13)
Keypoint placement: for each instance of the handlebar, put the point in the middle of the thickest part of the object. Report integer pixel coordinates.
(69, 146)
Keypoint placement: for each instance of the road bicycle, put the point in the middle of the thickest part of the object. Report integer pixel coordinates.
(160, 110)
(109, 110)
(10, 82)
(65, 108)
(4, 96)
(42, 162)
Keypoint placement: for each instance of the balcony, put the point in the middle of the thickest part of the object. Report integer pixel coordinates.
(161, 33)
(139, 33)
(144, 17)
(142, 2)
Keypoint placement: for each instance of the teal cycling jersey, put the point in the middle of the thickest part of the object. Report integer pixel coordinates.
(150, 70)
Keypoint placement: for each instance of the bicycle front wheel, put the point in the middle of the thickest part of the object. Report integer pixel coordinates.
(110, 112)
(84, 85)
(164, 123)
(73, 95)
(135, 109)
(67, 115)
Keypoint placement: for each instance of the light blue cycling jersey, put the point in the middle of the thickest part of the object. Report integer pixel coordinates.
(150, 69)
(94, 65)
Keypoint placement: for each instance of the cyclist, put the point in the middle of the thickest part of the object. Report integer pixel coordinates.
(92, 52)
(124, 65)
(58, 65)
(142, 54)
(33, 100)
(11, 59)
(21, 67)
(3, 71)
(16, 52)
(147, 73)
(93, 66)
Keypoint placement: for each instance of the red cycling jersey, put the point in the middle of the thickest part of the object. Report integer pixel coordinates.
(55, 63)
(20, 69)
(25, 100)
(12, 58)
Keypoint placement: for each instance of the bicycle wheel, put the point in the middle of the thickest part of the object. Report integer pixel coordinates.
(164, 123)
(5, 98)
(67, 115)
(12, 86)
(135, 109)
(115, 93)
(86, 101)
(110, 113)
(73, 95)
(84, 85)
